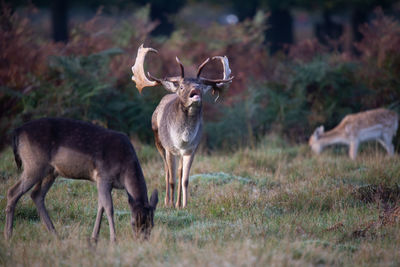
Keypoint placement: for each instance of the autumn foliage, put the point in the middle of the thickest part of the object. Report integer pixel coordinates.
(89, 77)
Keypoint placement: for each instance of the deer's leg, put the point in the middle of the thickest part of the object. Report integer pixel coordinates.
(105, 200)
(387, 144)
(353, 149)
(170, 159)
(390, 149)
(179, 193)
(38, 195)
(11, 202)
(167, 200)
(96, 229)
(161, 150)
(187, 163)
(28, 179)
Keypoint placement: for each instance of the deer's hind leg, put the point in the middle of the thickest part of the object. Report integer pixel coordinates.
(29, 177)
(38, 195)
(386, 142)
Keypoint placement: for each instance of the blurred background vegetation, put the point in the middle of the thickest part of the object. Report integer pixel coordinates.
(297, 63)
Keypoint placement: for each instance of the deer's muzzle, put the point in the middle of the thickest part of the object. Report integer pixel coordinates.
(195, 95)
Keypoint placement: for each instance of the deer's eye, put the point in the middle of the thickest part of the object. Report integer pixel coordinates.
(176, 84)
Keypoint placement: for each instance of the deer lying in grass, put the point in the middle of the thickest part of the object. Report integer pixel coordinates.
(177, 120)
(50, 147)
(377, 124)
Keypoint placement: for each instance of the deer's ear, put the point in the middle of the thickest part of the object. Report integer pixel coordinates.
(154, 199)
(319, 131)
(171, 86)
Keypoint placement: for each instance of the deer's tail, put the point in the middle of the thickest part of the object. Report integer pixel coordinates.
(15, 141)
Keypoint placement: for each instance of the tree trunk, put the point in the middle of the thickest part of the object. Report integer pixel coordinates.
(280, 32)
(328, 30)
(358, 17)
(59, 18)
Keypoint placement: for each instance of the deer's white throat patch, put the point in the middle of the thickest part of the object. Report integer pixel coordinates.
(183, 139)
(185, 135)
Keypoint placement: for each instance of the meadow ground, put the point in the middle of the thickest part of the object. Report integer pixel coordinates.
(274, 204)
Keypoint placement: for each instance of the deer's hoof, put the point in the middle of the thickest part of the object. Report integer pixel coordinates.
(178, 205)
(168, 203)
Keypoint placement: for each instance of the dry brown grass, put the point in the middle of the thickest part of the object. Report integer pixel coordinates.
(272, 205)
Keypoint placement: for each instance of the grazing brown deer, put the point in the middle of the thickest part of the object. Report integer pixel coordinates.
(377, 124)
(49, 147)
(177, 120)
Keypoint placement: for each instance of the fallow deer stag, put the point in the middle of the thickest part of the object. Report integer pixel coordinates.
(377, 124)
(177, 120)
(49, 147)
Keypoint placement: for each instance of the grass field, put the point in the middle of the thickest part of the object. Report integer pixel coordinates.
(273, 205)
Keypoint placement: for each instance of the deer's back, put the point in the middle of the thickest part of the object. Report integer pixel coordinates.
(74, 149)
(376, 120)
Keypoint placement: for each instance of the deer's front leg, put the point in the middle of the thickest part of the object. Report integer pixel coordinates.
(353, 149)
(96, 229)
(170, 159)
(179, 196)
(105, 200)
(167, 200)
(187, 163)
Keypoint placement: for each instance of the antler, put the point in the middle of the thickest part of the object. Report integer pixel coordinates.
(139, 76)
(227, 72)
(201, 67)
(182, 68)
(217, 83)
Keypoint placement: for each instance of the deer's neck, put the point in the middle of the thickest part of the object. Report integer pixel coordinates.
(184, 127)
(186, 120)
(334, 136)
(135, 184)
(192, 112)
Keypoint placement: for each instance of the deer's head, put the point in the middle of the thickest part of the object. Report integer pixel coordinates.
(314, 140)
(189, 90)
(143, 216)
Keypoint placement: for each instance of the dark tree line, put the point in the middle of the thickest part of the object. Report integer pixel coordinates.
(279, 33)
(160, 11)
(280, 22)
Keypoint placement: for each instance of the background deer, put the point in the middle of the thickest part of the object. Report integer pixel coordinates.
(50, 147)
(377, 124)
(177, 120)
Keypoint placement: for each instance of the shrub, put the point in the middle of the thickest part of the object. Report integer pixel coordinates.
(89, 77)
(23, 59)
(380, 59)
(81, 79)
